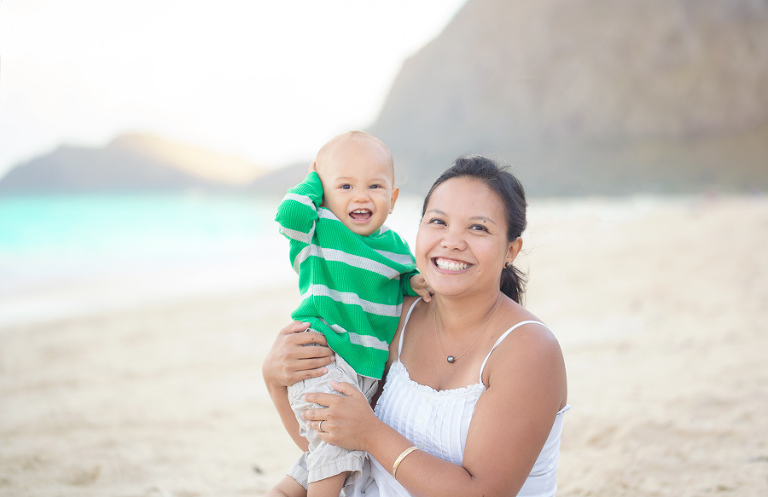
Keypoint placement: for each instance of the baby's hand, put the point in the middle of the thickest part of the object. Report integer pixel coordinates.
(421, 287)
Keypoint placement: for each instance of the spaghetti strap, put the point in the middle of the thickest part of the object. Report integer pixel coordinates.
(502, 337)
(402, 332)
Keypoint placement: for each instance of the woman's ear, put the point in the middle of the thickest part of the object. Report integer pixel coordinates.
(513, 249)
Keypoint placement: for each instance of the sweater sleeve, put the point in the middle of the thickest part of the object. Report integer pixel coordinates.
(408, 269)
(297, 213)
(405, 283)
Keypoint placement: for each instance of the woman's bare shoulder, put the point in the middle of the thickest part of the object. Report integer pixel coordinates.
(530, 351)
(530, 339)
(527, 330)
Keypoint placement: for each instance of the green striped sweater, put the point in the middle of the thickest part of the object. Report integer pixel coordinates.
(351, 285)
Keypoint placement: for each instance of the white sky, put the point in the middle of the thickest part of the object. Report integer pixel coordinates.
(269, 80)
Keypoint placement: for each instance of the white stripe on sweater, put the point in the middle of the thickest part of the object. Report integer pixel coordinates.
(404, 259)
(348, 259)
(299, 236)
(327, 214)
(349, 298)
(363, 340)
(302, 199)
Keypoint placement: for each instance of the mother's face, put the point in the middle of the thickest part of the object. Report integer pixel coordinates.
(461, 245)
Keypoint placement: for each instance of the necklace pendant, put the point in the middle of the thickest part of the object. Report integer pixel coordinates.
(450, 359)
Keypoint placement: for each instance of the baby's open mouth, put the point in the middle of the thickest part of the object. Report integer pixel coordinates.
(360, 214)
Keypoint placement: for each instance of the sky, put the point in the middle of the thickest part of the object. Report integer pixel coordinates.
(269, 81)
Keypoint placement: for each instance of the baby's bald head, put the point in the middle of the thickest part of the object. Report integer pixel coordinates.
(359, 140)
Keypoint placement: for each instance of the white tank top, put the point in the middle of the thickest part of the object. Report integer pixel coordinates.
(437, 421)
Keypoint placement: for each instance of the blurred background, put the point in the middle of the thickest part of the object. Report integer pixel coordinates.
(131, 130)
(145, 145)
(134, 135)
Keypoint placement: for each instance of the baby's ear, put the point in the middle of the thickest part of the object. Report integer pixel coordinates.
(395, 193)
(312, 167)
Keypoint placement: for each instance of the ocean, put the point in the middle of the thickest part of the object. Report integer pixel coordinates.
(65, 255)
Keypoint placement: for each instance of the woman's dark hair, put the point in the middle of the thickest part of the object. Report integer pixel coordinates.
(510, 191)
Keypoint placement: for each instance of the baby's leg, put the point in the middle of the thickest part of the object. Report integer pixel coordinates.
(329, 487)
(288, 487)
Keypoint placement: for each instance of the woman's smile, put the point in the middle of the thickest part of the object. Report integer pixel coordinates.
(450, 265)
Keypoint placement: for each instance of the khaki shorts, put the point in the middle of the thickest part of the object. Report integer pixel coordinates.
(323, 459)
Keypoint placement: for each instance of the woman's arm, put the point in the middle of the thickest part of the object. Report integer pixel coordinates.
(289, 360)
(527, 386)
(512, 420)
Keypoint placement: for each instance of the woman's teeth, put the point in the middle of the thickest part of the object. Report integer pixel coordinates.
(450, 265)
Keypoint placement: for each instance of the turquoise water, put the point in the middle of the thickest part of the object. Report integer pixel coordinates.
(67, 242)
(68, 255)
(72, 225)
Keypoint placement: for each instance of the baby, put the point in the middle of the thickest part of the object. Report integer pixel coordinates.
(353, 273)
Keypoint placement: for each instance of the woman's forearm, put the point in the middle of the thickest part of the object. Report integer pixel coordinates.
(422, 474)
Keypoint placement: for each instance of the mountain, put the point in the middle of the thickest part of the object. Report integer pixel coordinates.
(276, 182)
(590, 96)
(195, 160)
(131, 162)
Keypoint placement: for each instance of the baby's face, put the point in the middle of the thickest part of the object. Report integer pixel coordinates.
(358, 184)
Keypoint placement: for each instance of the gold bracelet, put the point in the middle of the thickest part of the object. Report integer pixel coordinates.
(400, 459)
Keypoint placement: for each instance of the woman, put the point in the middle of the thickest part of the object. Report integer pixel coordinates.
(475, 382)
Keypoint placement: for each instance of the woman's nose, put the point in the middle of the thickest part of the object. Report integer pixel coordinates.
(452, 240)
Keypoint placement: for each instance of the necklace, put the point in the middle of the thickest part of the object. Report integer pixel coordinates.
(451, 359)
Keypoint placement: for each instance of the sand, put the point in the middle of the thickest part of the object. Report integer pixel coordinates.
(660, 305)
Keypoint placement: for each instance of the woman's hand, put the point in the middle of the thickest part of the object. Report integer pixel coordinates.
(348, 419)
(293, 358)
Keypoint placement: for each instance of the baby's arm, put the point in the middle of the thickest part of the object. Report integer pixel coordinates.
(297, 212)
(421, 287)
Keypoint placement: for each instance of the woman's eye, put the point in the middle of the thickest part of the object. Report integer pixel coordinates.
(478, 227)
(436, 220)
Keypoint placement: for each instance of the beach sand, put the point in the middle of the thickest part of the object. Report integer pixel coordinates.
(660, 305)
